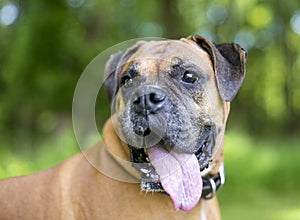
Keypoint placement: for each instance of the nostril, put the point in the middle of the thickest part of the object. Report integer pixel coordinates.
(148, 103)
(139, 105)
(142, 131)
(156, 97)
(147, 131)
(137, 101)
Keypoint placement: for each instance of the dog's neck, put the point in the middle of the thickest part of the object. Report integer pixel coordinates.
(117, 149)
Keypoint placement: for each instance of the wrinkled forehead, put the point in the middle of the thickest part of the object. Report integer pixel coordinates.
(154, 56)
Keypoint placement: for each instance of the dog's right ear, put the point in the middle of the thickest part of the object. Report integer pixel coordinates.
(110, 82)
(114, 67)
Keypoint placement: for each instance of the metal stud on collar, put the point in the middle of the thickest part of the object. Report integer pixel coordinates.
(213, 189)
(212, 183)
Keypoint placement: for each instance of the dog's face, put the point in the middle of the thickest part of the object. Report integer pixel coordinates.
(163, 99)
(169, 97)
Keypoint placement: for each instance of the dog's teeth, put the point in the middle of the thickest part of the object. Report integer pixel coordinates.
(146, 158)
(205, 144)
(201, 148)
(151, 187)
(153, 176)
(144, 170)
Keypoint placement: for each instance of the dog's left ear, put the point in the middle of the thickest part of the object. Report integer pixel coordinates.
(229, 65)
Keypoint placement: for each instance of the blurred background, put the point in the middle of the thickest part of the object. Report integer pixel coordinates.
(46, 44)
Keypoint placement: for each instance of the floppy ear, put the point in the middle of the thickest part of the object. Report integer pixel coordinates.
(229, 65)
(113, 68)
(110, 82)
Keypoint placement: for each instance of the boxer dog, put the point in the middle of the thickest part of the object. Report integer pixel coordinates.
(171, 101)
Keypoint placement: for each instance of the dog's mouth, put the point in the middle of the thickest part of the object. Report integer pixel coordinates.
(175, 173)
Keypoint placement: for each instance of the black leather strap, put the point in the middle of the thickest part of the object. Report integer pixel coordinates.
(212, 183)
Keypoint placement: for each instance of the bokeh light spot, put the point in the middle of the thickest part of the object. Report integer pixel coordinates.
(75, 3)
(260, 16)
(149, 29)
(295, 22)
(8, 14)
(245, 39)
(217, 14)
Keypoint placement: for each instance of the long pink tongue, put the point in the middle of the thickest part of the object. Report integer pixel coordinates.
(179, 175)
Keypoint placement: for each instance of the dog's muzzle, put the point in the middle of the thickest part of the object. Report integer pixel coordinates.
(158, 120)
(144, 105)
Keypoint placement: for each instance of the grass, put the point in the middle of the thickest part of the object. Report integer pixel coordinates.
(262, 179)
(262, 176)
(50, 152)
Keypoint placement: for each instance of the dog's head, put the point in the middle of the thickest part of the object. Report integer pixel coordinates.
(169, 97)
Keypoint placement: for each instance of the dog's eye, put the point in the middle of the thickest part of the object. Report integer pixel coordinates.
(189, 77)
(126, 81)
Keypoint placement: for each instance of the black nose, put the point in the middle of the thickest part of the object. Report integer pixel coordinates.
(148, 103)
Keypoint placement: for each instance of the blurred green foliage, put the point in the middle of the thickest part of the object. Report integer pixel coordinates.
(50, 152)
(46, 48)
(44, 51)
(260, 175)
